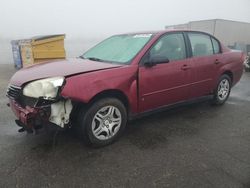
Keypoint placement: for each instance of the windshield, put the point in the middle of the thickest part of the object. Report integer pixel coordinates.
(119, 49)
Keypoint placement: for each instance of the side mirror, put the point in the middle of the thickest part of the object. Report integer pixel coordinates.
(156, 60)
(149, 64)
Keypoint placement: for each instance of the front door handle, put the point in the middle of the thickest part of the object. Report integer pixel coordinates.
(185, 67)
(216, 61)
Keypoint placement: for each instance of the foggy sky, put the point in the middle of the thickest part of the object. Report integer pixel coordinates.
(98, 18)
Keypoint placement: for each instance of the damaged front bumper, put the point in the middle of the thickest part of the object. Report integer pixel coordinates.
(29, 118)
(33, 113)
(33, 118)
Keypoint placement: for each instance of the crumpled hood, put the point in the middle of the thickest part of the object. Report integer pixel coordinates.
(58, 68)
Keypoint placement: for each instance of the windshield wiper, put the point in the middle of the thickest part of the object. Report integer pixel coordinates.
(92, 58)
(95, 59)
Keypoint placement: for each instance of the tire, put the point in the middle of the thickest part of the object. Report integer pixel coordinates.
(103, 122)
(223, 90)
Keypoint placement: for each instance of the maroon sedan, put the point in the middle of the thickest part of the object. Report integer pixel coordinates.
(123, 77)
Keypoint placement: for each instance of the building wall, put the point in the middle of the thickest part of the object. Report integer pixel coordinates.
(205, 25)
(231, 33)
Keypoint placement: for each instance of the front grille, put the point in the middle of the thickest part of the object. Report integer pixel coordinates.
(13, 92)
(27, 101)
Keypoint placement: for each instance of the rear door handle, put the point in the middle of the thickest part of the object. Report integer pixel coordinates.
(216, 62)
(185, 67)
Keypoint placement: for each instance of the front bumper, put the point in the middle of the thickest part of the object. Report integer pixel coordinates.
(34, 113)
(30, 118)
(33, 118)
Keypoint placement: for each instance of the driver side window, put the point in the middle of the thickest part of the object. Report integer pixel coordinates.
(170, 46)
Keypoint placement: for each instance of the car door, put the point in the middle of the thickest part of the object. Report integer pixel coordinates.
(205, 63)
(164, 73)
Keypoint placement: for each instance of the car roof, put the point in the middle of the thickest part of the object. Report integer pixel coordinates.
(160, 32)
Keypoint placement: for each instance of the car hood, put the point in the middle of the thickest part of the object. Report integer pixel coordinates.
(58, 68)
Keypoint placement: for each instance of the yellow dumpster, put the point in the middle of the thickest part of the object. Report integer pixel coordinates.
(42, 48)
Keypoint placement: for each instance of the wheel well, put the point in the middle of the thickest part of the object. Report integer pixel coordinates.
(230, 74)
(77, 106)
(112, 93)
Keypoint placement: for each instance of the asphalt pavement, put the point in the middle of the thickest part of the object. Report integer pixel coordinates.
(193, 146)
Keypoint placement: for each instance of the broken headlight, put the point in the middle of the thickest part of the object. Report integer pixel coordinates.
(46, 88)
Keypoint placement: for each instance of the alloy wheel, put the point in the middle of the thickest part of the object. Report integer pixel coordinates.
(223, 89)
(106, 122)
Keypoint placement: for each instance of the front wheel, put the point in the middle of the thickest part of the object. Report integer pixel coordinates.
(103, 122)
(223, 90)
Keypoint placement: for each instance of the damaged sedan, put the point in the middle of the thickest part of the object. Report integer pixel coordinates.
(121, 78)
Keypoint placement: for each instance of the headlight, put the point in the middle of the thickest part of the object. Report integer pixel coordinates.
(46, 88)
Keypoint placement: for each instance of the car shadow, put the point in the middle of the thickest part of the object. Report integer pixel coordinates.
(144, 133)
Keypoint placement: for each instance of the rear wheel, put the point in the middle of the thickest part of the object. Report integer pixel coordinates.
(223, 90)
(103, 122)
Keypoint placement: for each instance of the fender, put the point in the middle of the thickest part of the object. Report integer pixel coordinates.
(232, 64)
(86, 86)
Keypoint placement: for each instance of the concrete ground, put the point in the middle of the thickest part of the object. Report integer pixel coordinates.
(193, 146)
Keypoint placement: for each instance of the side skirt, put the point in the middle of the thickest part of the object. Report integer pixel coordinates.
(171, 106)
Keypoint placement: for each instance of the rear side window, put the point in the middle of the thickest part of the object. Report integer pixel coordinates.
(201, 44)
(216, 46)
